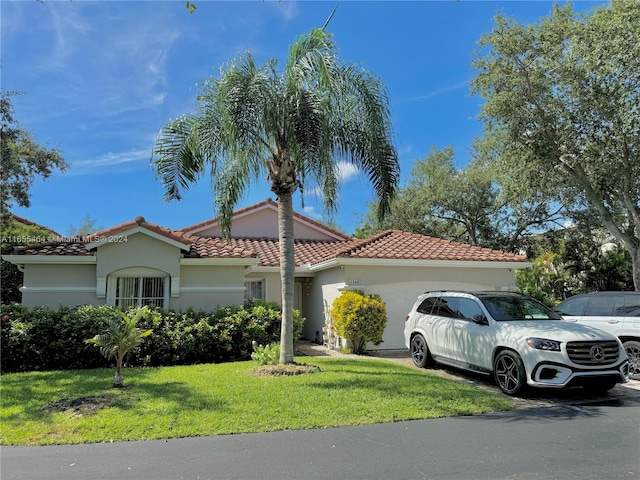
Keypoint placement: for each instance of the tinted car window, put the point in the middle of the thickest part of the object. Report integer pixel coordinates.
(602, 306)
(448, 307)
(427, 305)
(508, 309)
(574, 306)
(468, 309)
(631, 306)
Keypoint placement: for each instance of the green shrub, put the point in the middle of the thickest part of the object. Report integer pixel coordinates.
(266, 355)
(44, 339)
(41, 338)
(120, 334)
(359, 318)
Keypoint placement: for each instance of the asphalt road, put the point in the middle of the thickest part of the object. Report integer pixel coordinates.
(597, 439)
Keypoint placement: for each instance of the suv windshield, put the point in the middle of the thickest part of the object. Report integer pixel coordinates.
(513, 308)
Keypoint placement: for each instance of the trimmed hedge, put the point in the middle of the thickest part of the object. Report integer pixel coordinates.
(41, 338)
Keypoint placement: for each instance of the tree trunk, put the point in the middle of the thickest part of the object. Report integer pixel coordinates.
(287, 273)
(117, 380)
(635, 262)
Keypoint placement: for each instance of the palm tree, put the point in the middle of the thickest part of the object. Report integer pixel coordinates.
(121, 335)
(293, 125)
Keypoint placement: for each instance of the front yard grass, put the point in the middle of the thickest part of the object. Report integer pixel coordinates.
(78, 406)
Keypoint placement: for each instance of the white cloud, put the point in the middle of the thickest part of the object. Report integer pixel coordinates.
(105, 63)
(70, 32)
(111, 161)
(311, 213)
(288, 10)
(439, 91)
(346, 171)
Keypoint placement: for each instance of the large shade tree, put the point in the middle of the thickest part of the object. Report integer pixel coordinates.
(484, 203)
(22, 158)
(564, 95)
(293, 125)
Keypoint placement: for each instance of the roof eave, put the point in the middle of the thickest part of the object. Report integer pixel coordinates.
(50, 259)
(409, 262)
(245, 262)
(300, 271)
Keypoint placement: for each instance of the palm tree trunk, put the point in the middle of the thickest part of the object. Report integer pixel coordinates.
(117, 379)
(287, 273)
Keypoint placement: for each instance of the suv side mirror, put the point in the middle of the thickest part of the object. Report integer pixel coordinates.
(480, 319)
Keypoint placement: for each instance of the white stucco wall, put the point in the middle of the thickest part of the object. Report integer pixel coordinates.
(324, 286)
(204, 286)
(55, 285)
(140, 250)
(207, 287)
(399, 287)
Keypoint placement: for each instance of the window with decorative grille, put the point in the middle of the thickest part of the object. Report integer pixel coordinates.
(254, 290)
(140, 291)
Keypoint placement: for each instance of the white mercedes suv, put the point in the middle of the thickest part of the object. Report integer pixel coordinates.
(515, 338)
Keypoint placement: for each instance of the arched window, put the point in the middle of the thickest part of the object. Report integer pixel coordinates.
(134, 287)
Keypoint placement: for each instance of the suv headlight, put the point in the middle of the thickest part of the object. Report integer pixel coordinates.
(544, 344)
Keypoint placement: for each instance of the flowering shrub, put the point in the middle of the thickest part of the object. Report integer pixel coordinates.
(359, 318)
(265, 355)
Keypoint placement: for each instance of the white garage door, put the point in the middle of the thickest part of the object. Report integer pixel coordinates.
(400, 298)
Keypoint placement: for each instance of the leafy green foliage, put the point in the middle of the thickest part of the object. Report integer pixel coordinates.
(22, 159)
(88, 225)
(575, 262)
(265, 354)
(546, 280)
(477, 204)
(359, 318)
(15, 234)
(120, 333)
(562, 98)
(290, 125)
(40, 338)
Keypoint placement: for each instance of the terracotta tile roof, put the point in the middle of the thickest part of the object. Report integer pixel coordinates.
(391, 244)
(395, 244)
(306, 251)
(141, 222)
(26, 221)
(70, 248)
(199, 247)
(202, 247)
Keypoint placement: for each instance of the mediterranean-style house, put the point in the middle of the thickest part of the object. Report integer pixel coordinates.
(142, 263)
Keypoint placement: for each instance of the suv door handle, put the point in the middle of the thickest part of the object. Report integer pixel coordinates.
(613, 320)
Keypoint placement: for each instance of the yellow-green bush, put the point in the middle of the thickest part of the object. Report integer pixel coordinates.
(359, 318)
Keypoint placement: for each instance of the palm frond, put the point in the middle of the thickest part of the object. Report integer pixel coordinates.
(177, 157)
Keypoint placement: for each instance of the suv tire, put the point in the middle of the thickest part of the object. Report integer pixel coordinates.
(509, 372)
(420, 352)
(632, 348)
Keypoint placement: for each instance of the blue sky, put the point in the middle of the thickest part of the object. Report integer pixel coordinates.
(100, 78)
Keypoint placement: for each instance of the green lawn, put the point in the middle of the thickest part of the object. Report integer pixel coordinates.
(41, 408)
